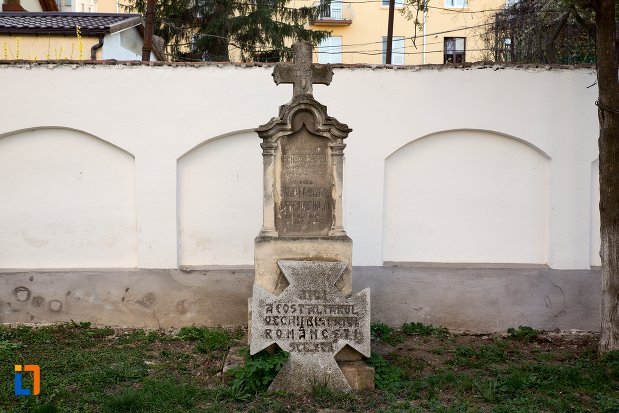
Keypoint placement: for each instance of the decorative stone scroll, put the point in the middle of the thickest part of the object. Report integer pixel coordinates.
(313, 321)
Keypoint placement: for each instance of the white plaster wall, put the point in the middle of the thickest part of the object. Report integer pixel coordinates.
(179, 107)
(124, 45)
(68, 201)
(466, 196)
(212, 185)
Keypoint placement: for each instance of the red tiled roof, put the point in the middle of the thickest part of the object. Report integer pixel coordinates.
(65, 22)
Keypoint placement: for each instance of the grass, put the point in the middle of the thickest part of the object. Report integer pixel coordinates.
(423, 369)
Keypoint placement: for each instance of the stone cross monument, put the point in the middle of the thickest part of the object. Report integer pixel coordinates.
(302, 152)
(303, 257)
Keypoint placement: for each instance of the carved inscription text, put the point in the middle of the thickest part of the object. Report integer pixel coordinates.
(306, 185)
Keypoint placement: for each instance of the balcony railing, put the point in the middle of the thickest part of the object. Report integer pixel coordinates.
(334, 15)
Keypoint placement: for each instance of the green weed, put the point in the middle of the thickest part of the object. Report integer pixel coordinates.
(608, 404)
(420, 329)
(383, 332)
(523, 333)
(90, 370)
(258, 372)
(387, 376)
(209, 339)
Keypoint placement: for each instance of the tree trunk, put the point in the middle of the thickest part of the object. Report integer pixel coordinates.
(608, 113)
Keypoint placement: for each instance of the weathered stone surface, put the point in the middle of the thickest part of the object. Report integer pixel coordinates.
(302, 153)
(360, 376)
(218, 297)
(304, 308)
(268, 250)
(302, 74)
(313, 321)
(305, 204)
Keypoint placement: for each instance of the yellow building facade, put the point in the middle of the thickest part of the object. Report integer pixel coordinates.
(113, 6)
(47, 47)
(451, 33)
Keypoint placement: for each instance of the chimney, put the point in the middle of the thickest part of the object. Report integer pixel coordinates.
(12, 5)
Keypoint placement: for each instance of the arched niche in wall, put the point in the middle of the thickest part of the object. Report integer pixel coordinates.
(466, 196)
(596, 241)
(220, 200)
(68, 201)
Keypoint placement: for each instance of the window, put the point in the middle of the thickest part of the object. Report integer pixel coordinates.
(330, 50)
(455, 3)
(333, 12)
(397, 50)
(454, 50)
(67, 3)
(398, 3)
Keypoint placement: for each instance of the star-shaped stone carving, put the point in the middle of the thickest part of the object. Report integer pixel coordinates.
(313, 321)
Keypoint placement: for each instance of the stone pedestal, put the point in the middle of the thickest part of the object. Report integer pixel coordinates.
(268, 250)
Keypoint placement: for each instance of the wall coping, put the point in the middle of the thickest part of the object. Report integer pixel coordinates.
(465, 66)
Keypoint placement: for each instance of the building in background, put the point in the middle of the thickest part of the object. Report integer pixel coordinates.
(55, 36)
(87, 6)
(112, 6)
(451, 33)
(29, 5)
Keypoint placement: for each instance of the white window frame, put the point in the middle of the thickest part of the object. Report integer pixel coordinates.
(456, 4)
(398, 44)
(398, 4)
(330, 50)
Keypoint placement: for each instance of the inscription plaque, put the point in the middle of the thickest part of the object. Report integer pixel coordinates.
(305, 203)
(312, 320)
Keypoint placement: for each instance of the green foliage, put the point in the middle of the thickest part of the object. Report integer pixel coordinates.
(420, 329)
(90, 370)
(608, 404)
(209, 339)
(383, 332)
(325, 396)
(611, 361)
(387, 376)
(153, 396)
(258, 372)
(46, 408)
(523, 333)
(206, 29)
(127, 401)
(479, 356)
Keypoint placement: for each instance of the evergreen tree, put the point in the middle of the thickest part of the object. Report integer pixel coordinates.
(261, 30)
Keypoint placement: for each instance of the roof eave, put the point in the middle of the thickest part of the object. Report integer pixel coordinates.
(59, 31)
(125, 24)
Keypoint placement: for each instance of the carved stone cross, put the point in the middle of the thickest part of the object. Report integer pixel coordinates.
(312, 320)
(302, 73)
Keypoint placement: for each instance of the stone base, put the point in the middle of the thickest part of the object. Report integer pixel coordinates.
(269, 250)
(359, 375)
(348, 354)
(479, 300)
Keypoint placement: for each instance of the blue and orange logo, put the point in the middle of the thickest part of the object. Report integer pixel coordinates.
(36, 380)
